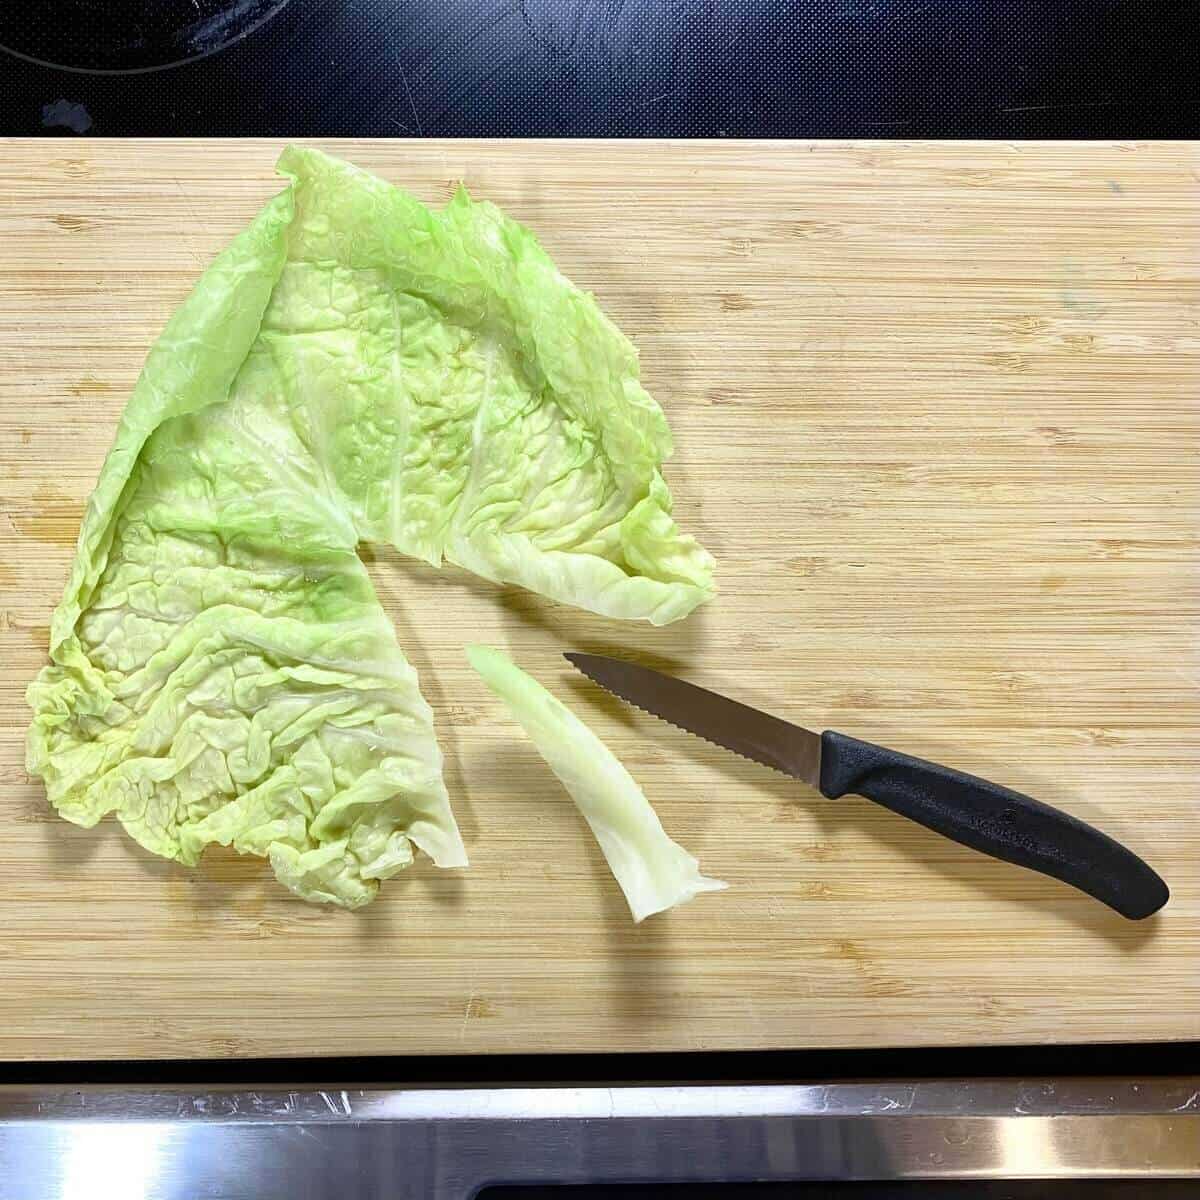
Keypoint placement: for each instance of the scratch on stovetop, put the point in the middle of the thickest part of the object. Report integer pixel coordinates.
(411, 105)
(1020, 108)
(653, 100)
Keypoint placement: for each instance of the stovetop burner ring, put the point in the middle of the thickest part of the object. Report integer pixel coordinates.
(130, 37)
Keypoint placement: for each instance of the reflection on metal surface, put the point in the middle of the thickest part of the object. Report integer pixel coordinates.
(1025, 1146)
(104, 1159)
(67, 1143)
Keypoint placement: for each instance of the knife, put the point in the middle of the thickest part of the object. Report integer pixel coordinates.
(985, 816)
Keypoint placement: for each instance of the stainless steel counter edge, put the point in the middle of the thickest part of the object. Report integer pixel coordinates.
(450, 1143)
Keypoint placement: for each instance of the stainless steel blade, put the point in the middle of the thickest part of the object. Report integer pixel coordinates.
(738, 727)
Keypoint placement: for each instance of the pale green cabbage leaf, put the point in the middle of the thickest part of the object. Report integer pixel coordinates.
(654, 872)
(353, 367)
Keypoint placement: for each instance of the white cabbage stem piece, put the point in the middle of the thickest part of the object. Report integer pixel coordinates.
(654, 872)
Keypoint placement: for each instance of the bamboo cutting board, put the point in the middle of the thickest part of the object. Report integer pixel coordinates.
(937, 416)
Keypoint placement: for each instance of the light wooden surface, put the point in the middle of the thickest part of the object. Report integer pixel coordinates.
(938, 414)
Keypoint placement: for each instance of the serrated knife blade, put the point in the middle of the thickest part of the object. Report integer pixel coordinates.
(737, 727)
(975, 812)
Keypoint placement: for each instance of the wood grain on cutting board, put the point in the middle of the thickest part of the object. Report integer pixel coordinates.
(937, 410)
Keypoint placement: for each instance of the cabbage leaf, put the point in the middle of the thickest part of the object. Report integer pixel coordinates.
(654, 872)
(353, 367)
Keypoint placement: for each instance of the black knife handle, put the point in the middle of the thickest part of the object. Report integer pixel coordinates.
(1005, 824)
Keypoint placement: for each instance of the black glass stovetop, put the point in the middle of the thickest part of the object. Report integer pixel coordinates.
(717, 68)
